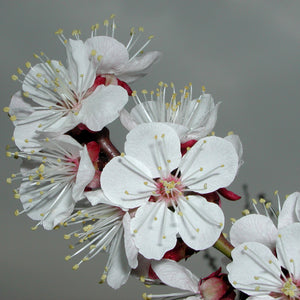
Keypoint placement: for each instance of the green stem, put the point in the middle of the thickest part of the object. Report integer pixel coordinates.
(224, 246)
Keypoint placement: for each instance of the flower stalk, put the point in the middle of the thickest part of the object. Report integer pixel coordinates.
(224, 246)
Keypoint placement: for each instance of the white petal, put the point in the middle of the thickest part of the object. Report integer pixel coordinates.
(288, 248)
(126, 120)
(154, 229)
(200, 222)
(114, 54)
(130, 248)
(236, 142)
(163, 151)
(173, 274)
(96, 197)
(38, 82)
(102, 106)
(53, 209)
(290, 212)
(205, 127)
(211, 163)
(20, 107)
(66, 142)
(138, 67)
(119, 271)
(85, 174)
(255, 258)
(82, 73)
(254, 228)
(123, 182)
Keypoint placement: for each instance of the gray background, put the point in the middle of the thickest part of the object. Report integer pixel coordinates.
(246, 53)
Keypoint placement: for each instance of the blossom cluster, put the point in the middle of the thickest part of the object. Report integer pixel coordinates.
(159, 201)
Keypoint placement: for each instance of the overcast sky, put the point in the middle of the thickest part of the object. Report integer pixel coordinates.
(246, 53)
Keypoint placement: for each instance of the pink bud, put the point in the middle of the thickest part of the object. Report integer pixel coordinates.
(216, 287)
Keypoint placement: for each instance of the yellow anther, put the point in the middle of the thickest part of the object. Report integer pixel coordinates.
(213, 133)
(262, 200)
(141, 29)
(257, 288)
(28, 65)
(112, 16)
(155, 218)
(150, 37)
(135, 231)
(254, 201)
(16, 154)
(270, 261)
(233, 220)
(76, 32)
(197, 229)
(75, 267)
(126, 192)
(279, 235)
(245, 247)
(230, 133)
(85, 259)
(268, 205)
(16, 212)
(205, 186)
(234, 282)
(26, 94)
(79, 212)
(35, 56)
(14, 77)
(17, 196)
(164, 237)
(34, 228)
(245, 212)
(203, 89)
(180, 213)
(160, 84)
(159, 168)
(276, 193)
(163, 135)
(221, 224)
(142, 279)
(256, 277)
(92, 247)
(147, 297)
(13, 118)
(8, 180)
(222, 166)
(59, 31)
(99, 57)
(144, 92)
(67, 236)
(68, 257)
(30, 200)
(133, 93)
(93, 52)
(145, 182)
(76, 235)
(6, 109)
(87, 228)
(225, 235)
(102, 279)
(106, 23)
(204, 142)
(20, 71)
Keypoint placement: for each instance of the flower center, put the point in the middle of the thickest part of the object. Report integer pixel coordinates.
(169, 188)
(290, 289)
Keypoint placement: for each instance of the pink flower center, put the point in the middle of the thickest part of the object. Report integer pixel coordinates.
(169, 189)
(290, 290)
